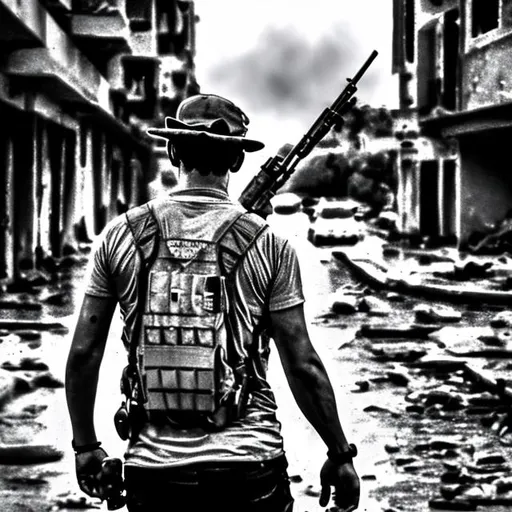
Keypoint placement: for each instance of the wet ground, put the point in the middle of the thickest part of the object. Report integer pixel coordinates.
(422, 430)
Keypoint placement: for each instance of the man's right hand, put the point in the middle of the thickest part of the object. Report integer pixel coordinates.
(344, 479)
(88, 472)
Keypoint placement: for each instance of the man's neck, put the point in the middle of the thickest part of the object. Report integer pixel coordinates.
(195, 180)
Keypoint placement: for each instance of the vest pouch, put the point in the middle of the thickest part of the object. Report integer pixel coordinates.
(180, 378)
(232, 402)
(214, 294)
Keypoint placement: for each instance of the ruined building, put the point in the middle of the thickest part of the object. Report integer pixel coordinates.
(453, 59)
(80, 80)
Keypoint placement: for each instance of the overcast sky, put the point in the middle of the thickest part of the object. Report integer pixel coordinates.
(284, 61)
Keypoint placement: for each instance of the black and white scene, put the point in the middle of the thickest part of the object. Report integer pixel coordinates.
(255, 255)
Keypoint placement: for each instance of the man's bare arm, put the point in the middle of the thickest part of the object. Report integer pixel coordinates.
(307, 376)
(83, 365)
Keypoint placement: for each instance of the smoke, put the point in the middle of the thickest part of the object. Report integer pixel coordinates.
(289, 74)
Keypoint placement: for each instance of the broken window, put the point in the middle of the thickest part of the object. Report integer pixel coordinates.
(506, 13)
(404, 35)
(429, 198)
(450, 59)
(139, 82)
(438, 59)
(485, 15)
(139, 13)
(409, 30)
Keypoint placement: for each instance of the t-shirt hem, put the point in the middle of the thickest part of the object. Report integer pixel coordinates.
(199, 460)
(286, 304)
(101, 295)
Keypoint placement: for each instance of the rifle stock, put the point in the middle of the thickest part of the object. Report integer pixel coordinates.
(276, 171)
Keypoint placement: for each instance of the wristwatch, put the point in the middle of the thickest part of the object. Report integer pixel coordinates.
(344, 456)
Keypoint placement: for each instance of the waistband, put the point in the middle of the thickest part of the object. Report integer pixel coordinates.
(195, 473)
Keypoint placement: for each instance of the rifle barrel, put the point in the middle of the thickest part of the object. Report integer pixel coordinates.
(364, 67)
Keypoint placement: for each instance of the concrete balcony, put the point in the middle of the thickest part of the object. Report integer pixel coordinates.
(22, 24)
(57, 6)
(101, 36)
(45, 59)
(68, 81)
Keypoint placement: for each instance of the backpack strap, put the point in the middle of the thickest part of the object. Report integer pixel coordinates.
(144, 228)
(238, 239)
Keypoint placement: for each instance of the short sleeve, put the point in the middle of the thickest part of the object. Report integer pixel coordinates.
(100, 282)
(269, 278)
(286, 289)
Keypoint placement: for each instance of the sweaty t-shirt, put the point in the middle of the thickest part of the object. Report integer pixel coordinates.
(267, 279)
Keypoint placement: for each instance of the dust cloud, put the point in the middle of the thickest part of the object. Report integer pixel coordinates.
(289, 74)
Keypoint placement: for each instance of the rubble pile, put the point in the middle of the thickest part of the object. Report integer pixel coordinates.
(30, 379)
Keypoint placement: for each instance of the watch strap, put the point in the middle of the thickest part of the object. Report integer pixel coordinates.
(344, 456)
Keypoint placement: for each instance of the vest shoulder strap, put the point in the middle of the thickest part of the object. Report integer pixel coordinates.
(241, 236)
(144, 228)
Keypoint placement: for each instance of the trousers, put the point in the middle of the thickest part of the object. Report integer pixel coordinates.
(228, 487)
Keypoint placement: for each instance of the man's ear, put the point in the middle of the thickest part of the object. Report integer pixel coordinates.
(238, 162)
(171, 153)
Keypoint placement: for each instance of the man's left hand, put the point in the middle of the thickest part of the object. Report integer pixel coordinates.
(344, 479)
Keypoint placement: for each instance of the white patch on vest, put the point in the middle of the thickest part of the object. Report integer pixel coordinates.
(186, 249)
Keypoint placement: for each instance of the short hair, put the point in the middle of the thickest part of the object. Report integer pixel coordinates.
(207, 157)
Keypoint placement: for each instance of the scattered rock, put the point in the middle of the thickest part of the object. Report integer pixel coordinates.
(344, 304)
(28, 454)
(404, 461)
(26, 363)
(426, 313)
(503, 484)
(28, 334)
(368, 477)
(391, 448)
(440, 504)
(440, 363)
(363, 385)
(494, 458)
(398, 377)
(395, 297)
(502, 320)
(485, 399)
(413, 468)
(75, 502)
(35, 409)
(374, 306)
(407, 331)
(415, 409)
(296, 479)
(312, 491)
(22, 384)
(58, 299)
(447, 399)
(377, 408)
(437, 445)
(47, 380)
(466, 270)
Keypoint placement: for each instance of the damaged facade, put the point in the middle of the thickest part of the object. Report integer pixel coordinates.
(80, 80)
(455, 78)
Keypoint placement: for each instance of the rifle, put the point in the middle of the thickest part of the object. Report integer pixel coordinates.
(276, 171)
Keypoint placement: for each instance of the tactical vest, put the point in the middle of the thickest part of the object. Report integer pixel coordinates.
(186, 358)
